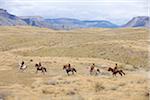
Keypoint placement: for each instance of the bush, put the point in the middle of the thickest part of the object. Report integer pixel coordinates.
(99, 87)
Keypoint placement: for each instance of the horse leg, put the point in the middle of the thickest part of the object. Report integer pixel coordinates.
(67, 72)
(91, 72)
(36, 71)
(20, 69)
(123, 72)
(96, 73)
(120, 73)
(24, 68)
(72, 72)
(114, 74)
(43, 71)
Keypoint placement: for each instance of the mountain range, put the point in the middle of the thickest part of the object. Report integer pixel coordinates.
(140, 21)
(7, 19)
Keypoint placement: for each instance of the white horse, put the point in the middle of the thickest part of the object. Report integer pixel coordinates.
(22, 67)
(93, 70)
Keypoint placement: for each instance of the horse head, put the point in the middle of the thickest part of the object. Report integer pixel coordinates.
(110, 69)
(36, 65)
(64, 67)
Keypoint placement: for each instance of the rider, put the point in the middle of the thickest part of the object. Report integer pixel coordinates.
(116, 67)
(40, 65)
(69, 66)
(22, 63)
(92, 67)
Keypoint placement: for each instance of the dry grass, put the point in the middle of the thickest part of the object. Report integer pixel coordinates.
(128, 46)
(104, 47)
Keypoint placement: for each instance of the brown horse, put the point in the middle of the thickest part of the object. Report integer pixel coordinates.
(68, 69)
(115, 71)
(94, 69)
(40, 68)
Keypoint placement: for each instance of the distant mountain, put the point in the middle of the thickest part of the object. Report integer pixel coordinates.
(7, 19)
(75, 23)
(140, 21)
(66, 23)
(36, 21)
(100, 23)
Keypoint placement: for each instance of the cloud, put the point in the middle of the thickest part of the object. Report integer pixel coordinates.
(117, 11)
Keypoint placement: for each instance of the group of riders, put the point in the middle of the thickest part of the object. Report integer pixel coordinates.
(68, 68)
(38, 66)
(22, 64)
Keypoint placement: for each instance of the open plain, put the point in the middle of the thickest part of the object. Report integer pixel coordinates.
(81, 47)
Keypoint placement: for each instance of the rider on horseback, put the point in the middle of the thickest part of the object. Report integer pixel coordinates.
(69, 66)
(93, 66)
(40, 65)
(22, 66)
(116, 67)
(22, 63)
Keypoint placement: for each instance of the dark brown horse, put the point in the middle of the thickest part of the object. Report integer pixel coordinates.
(40, 68)
(68, 69)
(115, 71)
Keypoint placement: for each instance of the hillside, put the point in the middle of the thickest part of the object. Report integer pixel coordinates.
(7, 19)
(123, 45)
(140, 21)
(126, 46)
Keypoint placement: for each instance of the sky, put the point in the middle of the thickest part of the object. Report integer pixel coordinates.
(116, 11)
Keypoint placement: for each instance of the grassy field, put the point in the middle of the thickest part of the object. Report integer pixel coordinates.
(126, 46)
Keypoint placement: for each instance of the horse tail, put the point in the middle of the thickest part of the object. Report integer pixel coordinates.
(45, 69)
(74, 70)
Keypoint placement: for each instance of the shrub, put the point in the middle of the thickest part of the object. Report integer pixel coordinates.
(99, 87)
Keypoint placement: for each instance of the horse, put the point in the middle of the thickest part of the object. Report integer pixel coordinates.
(68, 69)
(94, 69)
(115, 71)
(40, 68)
(22, 66)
